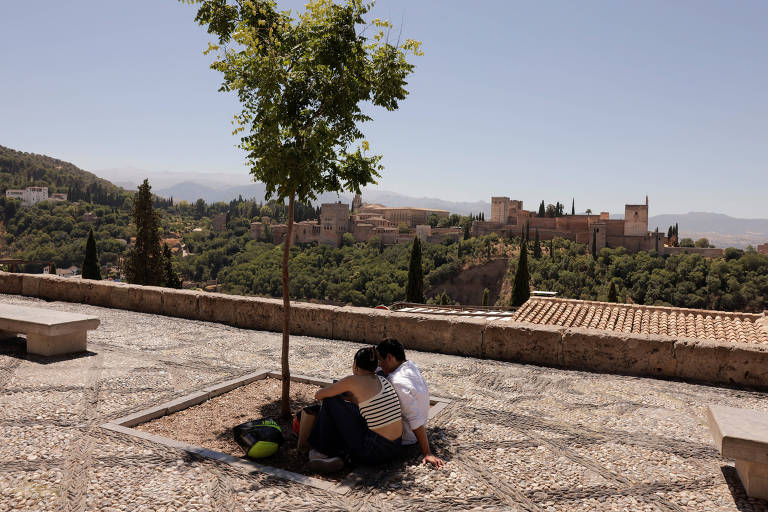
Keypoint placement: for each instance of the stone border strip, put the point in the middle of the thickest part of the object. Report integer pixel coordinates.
(124, 424)
(507, 340)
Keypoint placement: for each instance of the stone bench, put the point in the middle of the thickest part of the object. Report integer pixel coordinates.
(49, 333)
(742, 434)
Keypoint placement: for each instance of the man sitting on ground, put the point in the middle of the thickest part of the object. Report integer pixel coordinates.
(412, 391)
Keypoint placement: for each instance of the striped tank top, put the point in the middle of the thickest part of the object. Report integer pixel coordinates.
(383, 408)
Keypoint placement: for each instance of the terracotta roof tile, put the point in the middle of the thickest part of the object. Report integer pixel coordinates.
(638, 319)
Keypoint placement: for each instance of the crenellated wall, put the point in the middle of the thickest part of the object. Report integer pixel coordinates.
(601, 351)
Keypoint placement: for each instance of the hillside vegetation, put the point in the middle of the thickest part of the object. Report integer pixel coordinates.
(20, 170)
(363, 274)
(737, 282)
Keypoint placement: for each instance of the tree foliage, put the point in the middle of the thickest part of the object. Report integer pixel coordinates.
(414, 291)
(537, 246)
(91, 268)
(521, 290)
(302, 83)
(170, 277)
(144, 262)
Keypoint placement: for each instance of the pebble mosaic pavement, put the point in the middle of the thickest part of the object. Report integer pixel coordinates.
(516, 437)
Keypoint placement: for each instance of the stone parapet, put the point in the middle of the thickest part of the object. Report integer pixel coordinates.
(577, 348)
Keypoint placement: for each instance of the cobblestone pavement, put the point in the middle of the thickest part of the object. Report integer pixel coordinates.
(516, 437)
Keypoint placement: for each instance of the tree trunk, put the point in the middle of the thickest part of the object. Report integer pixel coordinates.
(285, 403)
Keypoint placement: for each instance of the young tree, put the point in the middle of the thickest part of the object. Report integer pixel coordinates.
(521, 290)
(144, 262)
(536, 246)
(414, 289)
(170, 277)
(486, 296)
(91, 268)
(302, 82)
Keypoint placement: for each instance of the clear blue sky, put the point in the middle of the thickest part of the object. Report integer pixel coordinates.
(603, 101)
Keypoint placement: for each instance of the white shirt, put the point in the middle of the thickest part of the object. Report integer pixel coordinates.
(411, 389)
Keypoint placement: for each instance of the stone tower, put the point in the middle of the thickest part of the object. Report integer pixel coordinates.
(636, 219)
(357, 202)
(500, 209)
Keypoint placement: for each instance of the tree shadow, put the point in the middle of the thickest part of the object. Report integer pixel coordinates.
(17, 348)
(739, 494)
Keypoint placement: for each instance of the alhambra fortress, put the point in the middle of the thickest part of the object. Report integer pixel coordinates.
(393, 225)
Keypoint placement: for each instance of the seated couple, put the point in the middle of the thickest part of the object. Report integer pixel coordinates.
(369, 418)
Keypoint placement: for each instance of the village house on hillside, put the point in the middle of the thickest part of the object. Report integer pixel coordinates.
(30, 196)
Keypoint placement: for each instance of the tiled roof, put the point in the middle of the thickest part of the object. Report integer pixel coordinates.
(637, 319)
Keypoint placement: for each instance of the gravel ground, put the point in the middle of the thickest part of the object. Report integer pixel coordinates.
(516, 437)
(210, 424)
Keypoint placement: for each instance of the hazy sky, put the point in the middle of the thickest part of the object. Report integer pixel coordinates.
(603, 101)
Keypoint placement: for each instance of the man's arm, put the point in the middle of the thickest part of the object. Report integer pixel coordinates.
(426, 452)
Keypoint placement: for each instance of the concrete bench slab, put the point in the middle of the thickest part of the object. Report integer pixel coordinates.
(742, 434)
(49, 332)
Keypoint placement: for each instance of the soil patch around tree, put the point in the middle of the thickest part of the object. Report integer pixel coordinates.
(209, 424)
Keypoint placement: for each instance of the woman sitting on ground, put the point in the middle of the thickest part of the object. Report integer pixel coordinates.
(359, 418)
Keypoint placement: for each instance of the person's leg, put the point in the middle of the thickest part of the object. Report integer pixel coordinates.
(325, 436)
(338, 427)
(376, 449)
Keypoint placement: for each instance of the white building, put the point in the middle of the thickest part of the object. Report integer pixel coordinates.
(33, 195)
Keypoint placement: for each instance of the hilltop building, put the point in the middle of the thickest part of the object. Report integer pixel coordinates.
(763, 248)
(32, 195)
(508, 218)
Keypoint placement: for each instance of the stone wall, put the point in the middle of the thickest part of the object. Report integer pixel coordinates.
(707, 252)
(601, 351)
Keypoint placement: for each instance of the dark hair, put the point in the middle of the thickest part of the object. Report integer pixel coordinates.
(366, 359)
(391, 346)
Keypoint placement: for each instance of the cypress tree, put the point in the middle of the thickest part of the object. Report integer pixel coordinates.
(414, 290)
(552, 249)
(612, 295)
(170, 277)
(466, 231)
(537, 246)
(573, 206)
(486, 296)
(521, 291)
(594, 244)
(52, 269)
(144, 263)
(445, 300)
(527, 231)
(542, 211)
(91, 262)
